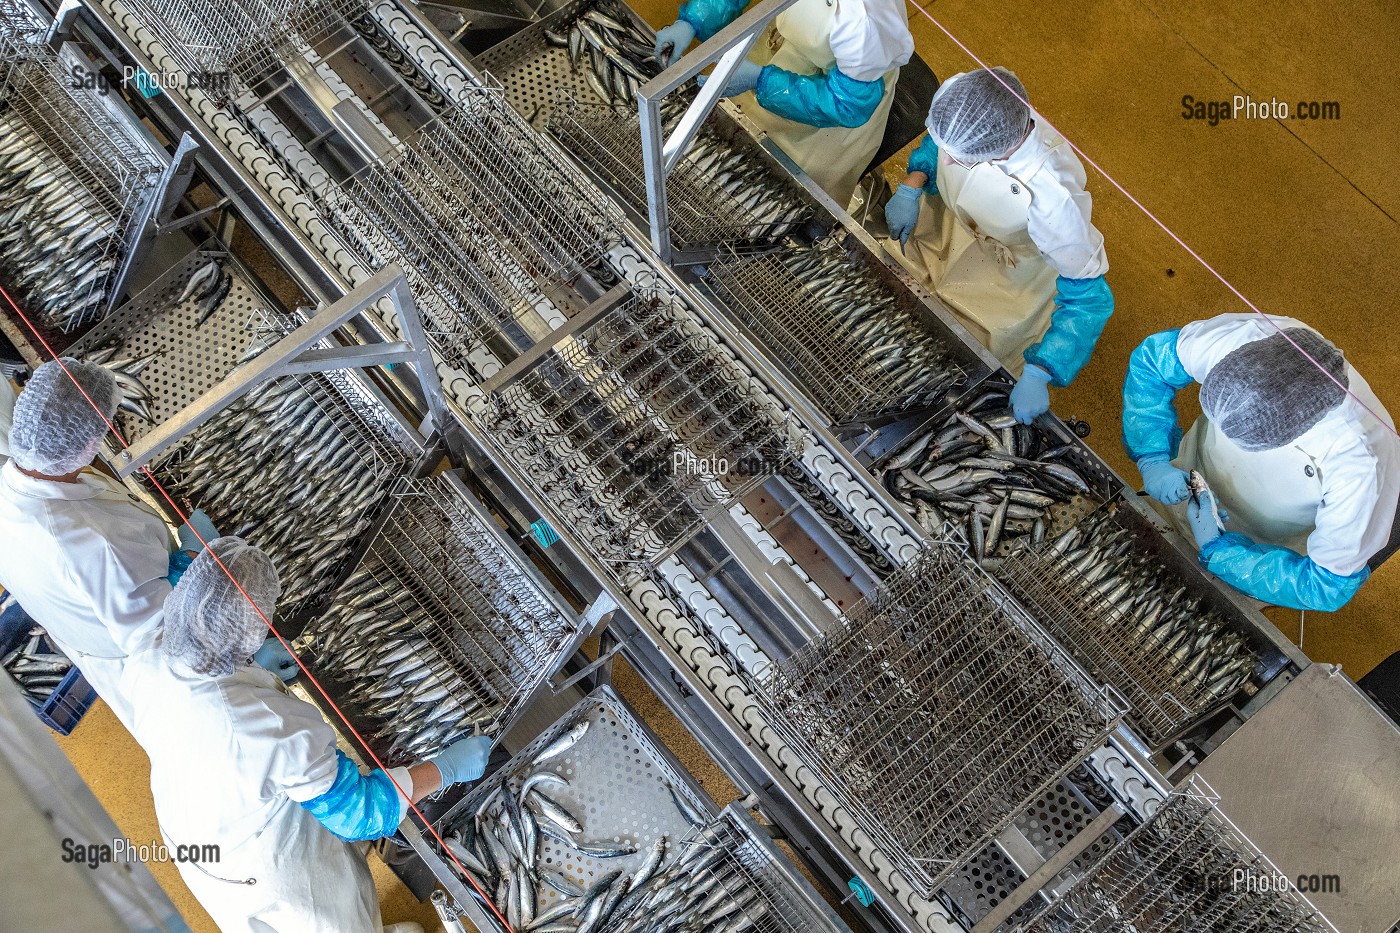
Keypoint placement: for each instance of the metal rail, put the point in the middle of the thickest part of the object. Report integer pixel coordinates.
(935, 714)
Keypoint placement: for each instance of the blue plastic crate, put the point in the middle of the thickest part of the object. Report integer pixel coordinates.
(73, 696)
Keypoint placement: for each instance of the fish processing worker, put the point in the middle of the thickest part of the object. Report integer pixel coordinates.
(238, 762)
(823, 77)
(7, 415)
(1306, 479)
(1007, 240)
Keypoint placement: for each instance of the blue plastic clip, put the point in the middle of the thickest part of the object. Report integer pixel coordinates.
(147, 85)
(544, 534)
(861, 891)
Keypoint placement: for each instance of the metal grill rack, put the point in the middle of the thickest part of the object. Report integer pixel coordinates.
(855, 346)
(622, 789)
(17, 20)
(91, 175)
(935, 715)
(215, 40)
(1114, 614)
(487, 629)
(1177, 872)
(636, 428)
(732, 854)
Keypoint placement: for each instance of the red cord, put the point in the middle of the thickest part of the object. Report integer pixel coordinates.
(306, 673)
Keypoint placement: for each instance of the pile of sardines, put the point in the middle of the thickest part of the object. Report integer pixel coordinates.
(619, 55)
(1152, 614)
(278, 469)
(56, 244)
(499, 844)
(981, 471)
(36, 666)
(372, 644)
(135, 396)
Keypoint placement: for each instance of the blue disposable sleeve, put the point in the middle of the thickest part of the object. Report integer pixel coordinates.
(358, 806)
(1155, 375)
(1082, 309)
(822, 100)
(1279, 576)
(179, 562)
(925, 159)
(710, 16)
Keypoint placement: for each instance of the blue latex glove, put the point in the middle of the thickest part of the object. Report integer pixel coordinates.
(902, 212)
(1031, 397)
(745, 78)
(463, 760)
(710, 16)
(273, 656)
(1164, 482)
(198, 521)
(824, 100)
(672, 41)
(358, 806)
(179, 562)
(1200, 515)
(1155, 374)
(1082, 309)
(925, 159)
(1279, 576)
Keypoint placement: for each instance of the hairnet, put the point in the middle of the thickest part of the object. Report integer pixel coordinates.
(1266, 394)
(209, 625)
(870, 37)
(974, 118)
(56, 430)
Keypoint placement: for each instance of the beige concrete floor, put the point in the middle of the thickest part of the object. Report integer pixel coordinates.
(1301, 217)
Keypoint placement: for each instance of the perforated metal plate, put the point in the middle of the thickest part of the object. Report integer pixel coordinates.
(617, 789)
(193, 357)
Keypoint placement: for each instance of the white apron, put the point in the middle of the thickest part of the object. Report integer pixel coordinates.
(7, 416)
(799, 40)
(1270, 496)
(972, 247)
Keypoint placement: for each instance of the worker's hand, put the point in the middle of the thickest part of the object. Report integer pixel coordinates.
(198, 522)
(273, 656)
(1201, 515)
(463, 760)
(902, 212)
(1163, 482)
(745, 78)
(1031, 397)
(672, 41)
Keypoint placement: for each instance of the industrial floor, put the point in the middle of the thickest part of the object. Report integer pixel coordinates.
(1299, 216)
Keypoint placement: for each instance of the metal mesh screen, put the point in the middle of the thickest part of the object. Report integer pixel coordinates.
(934, 715)
(1181, 871)
(849, 341)
(635, 428)
(440, 630)
(1133, 623)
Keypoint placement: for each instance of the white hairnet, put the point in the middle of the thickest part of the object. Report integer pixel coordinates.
(56, 430)
(870, 37)
(209, 625)
(1266, 394)
(975, 118)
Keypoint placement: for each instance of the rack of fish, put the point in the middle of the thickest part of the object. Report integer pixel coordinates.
(298, 466)
(615, 53)
(1001, 483)
(935, 715)
(440, 631)
(1174, 873)
(37, 666)
(636, 427)
(73, 182)
(726, 878)
(1132, 622)
(485, 226)
(571, 832)
(854, 345)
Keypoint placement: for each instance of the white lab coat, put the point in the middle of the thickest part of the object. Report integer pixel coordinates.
(1331, 494)
(88, 561)
(7, 416)
(991, 245)
(232, 758)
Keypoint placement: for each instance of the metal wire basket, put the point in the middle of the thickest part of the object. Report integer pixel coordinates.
(854, 345)
(636, 428)
(18, 20)
(1187, 868)
(935, 715)
(1115, 615)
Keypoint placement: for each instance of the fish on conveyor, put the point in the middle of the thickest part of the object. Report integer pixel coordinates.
(618, 54)
(136, 397)
(36, 667)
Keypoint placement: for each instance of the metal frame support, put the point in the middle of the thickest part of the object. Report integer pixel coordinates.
(174, 182)
(297, 353)
(728, 48)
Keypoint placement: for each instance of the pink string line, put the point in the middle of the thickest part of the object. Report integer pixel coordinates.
(1153, 217)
